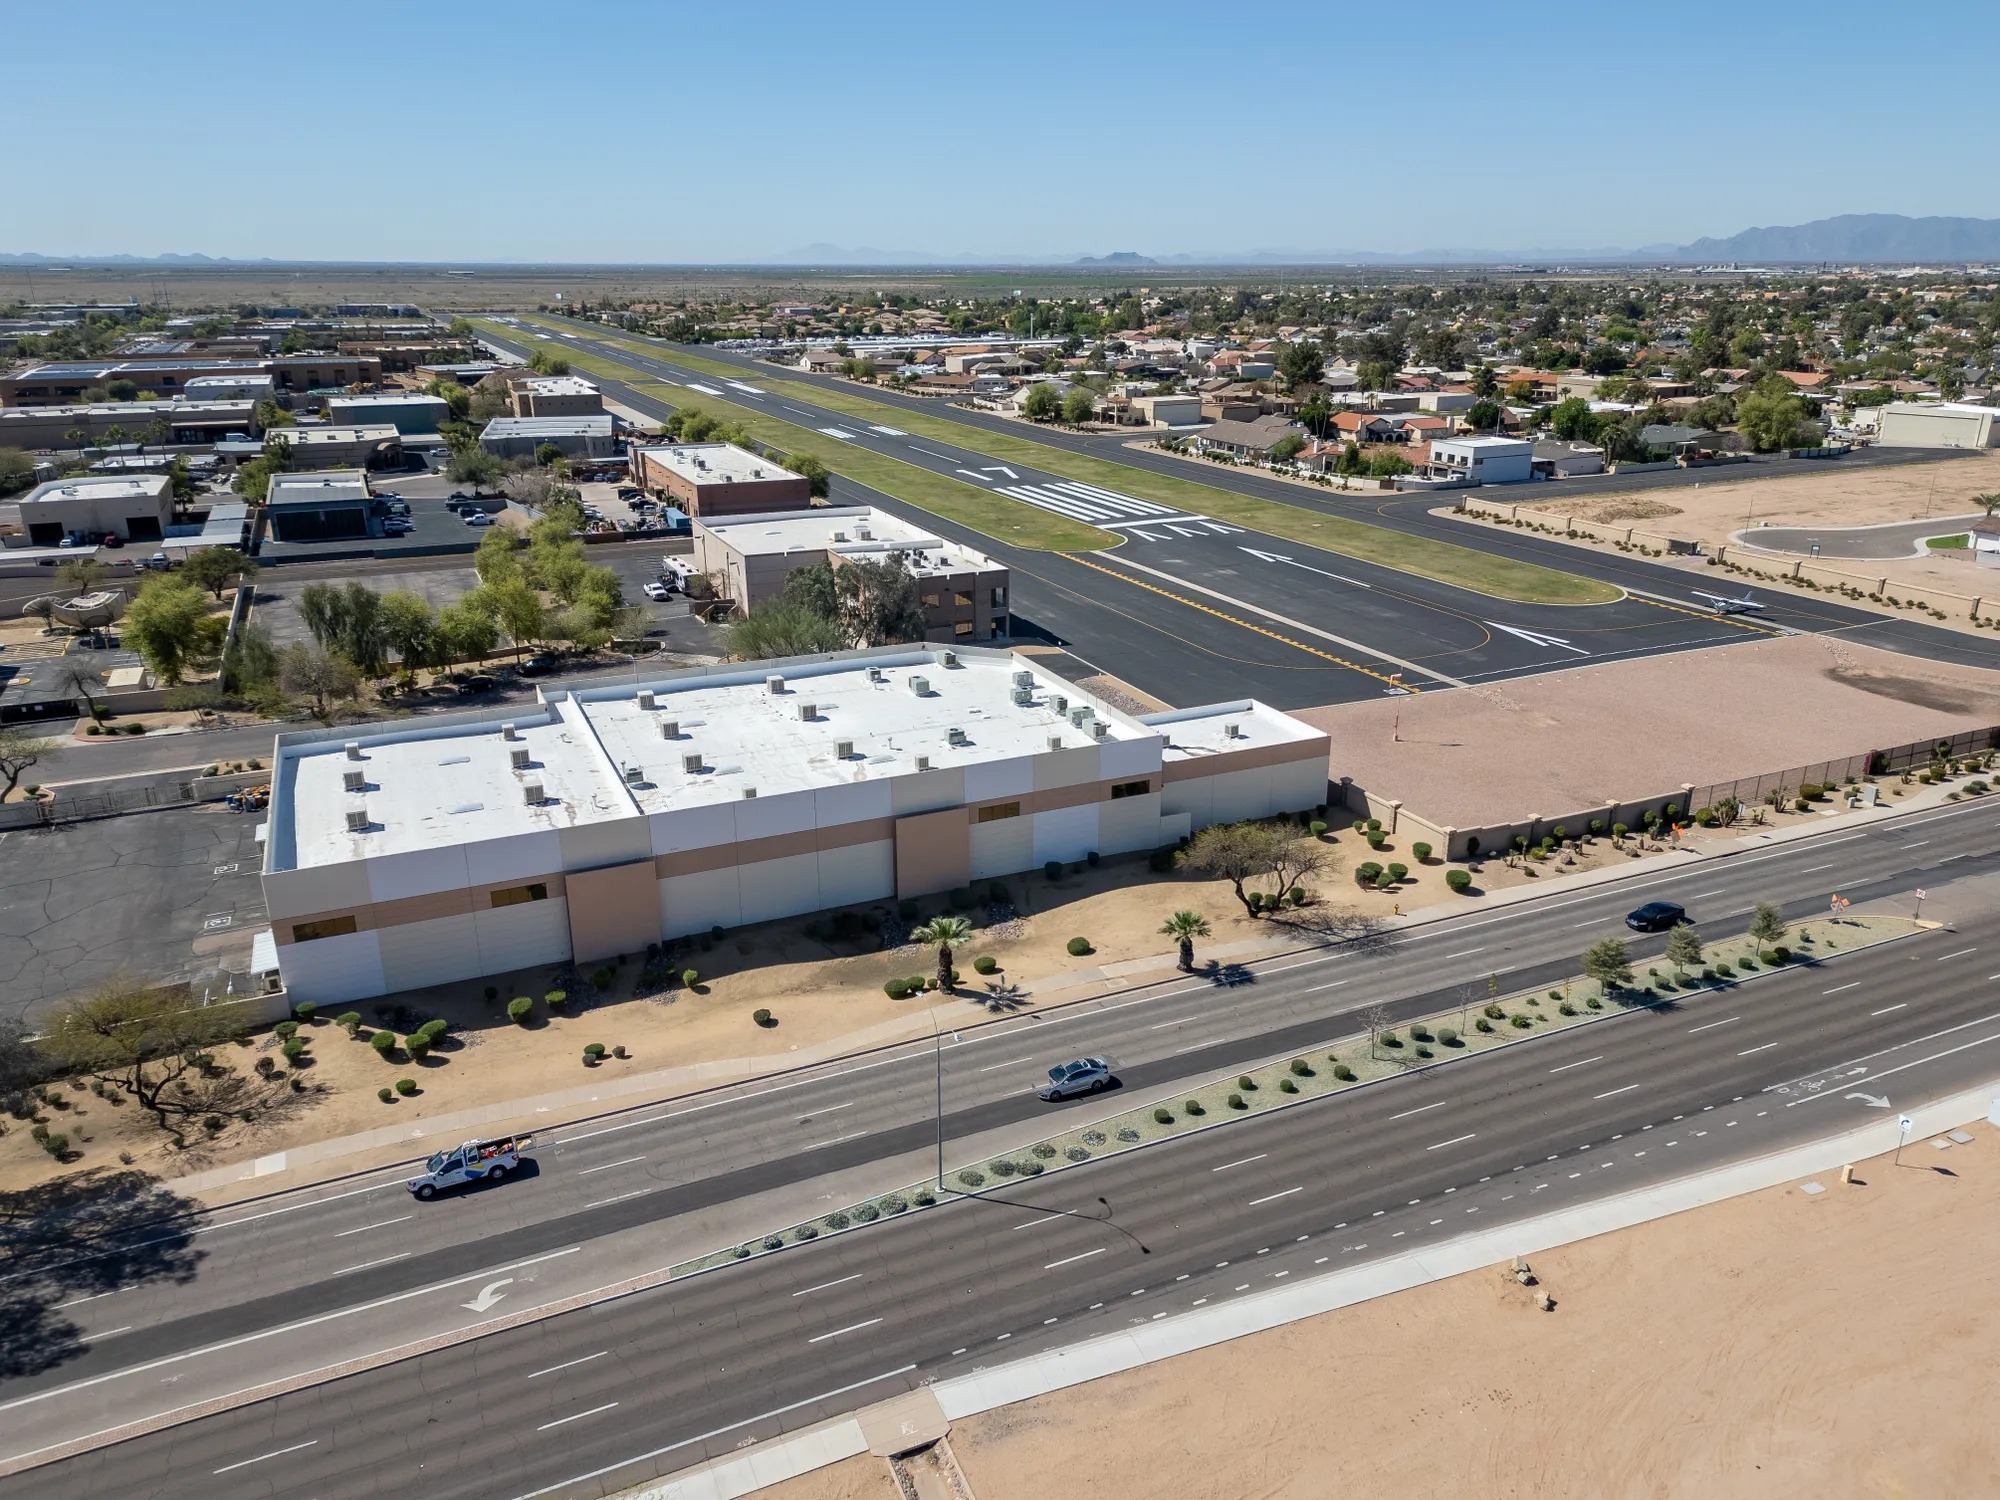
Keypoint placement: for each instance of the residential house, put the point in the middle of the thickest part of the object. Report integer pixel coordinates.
(1253, 439)
(1557, 460)
(1366, 427)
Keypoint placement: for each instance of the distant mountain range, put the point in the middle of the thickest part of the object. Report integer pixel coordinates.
(1892, 239)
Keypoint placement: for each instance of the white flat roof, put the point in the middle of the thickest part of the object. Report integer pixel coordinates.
(308, 436)
(558, 385)
(109, 487)
(1193, 733)
(1510, 444)
(583, 424)
(388, 398)
(851, 531)
(715, 463)
(318, 489)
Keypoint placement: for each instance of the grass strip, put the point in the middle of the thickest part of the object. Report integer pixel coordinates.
(1355, 1060)
(1010, 521)
(1445, 562)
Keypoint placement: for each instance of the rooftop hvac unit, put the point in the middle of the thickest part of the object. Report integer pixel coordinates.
(864, 532)
(1055, 742)
(749, 792)
(1080, 715)
(518, 757)
(840, 536)
(353, 749)
(670, 729)
(756, 473)
(357, 820)
(808, 711)
(874, 674)
(354, 781)
(1099, 729)
(531, 793)
(954, 736)
(1024, 678)
(923, 762)
(1232, 730)
(948, 658)
(509, 732)
(843, 749)
(921, 686)
(634, 775)
(691, 763)
(775, 683)
(1023, 696)
(1059, 702)
(645, 698)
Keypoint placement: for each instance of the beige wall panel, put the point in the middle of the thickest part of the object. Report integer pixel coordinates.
(613, 910)
(933, 852)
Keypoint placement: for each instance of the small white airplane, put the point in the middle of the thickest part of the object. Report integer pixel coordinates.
(1726, 604)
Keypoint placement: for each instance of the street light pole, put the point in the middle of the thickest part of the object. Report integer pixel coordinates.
(937, 1048)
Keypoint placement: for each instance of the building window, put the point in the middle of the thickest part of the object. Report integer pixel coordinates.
(515, 895)
(1131, 789)
(962, 630)
(999, 598)
(325, 927)
(997, 811)
(930, 601)
(963, 598)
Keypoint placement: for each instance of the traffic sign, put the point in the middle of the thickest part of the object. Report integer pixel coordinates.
(1905, 1124)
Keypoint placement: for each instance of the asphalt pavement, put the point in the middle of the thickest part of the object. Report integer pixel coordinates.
(620, 1195)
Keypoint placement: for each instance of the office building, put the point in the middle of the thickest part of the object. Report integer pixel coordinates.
(577, 437)
(408, 413)
(334, 505)
(133, 508)
(554, 396)
(718, 479)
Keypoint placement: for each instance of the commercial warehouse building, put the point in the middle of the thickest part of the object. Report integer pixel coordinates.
(1937, 424)
(718, 479)
(748, 558)
(577, 437)
(342, 447)
(189, 423)
(134, 508)
(607, 818)
(333, 505)
(65, 381)
(554, 396)
(407, 413)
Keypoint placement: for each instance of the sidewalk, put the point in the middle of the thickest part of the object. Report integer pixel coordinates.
(395, 1145)
(1108, 1354)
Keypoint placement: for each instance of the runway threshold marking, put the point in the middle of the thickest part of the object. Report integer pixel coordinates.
(1338, 661)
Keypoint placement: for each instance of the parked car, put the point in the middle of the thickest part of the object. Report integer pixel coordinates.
(159, 562)
(1085, 1075)
(478, 518)
(657, 592)
(395, 527)
(478, 682)
(111, 539)
(540, 666)
(1656, 916)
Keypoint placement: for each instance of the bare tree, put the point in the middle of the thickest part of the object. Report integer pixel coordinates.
(140, 1038)
(1376, 1018)
(1234, 852)
(1296, 861)
(21, 752)
(81, 680)
(326, 677)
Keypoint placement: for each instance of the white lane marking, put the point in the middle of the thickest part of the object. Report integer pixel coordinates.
(1274, 1197)
(1707, 1025)
(820, 1338)
(836, 432)
(1917, 845)
(1900, 1067)
(836, 1140)
(252, 1338)
(111, 1332)
(1810, 868)
(970, 474)
(1899, 1005)
(808, 1291)
(1163, 1025)
(369, 1265)
(1466, 954)
(1070, 1260)
(1009, 1063)
(1592, 922)
(274, 1453)
(829, 1109)
(79, 1301)
(606, 1202)
(1839, 987)
(1609, 1092)
(576, 1417)
(1702, 895)
(1567, 1066)
(609, 1165)
(928, 454)
(716, 1432)
(378, 1224)
(569, 1364)
(1243, 1163)
(1042, 1221)
(1452, 1142)
(1960, 954)
(1761, 1047)
(1330, 985)
(1420, 1109)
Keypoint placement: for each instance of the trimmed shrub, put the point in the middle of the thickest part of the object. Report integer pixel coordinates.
(1053, 870)
(384, 1042)
(1522, 1023)
(1286, 1086)
(1779, 955)
(417, 1045)
(986, 963)
(1385, 881)
(592, 1052)
(1301, 1068)
(1447, 1036)
(923, 1197)
(1377, 838)
(1044, 1150)
(304, 1011)
(867, 1213)
(432, 1029)
(1419, 1032)
(1360, 825)
(518, 1008)
(492, 992)
(763, 1017)
(406, 1086)
(971, 1177)
(1594, 1003)
(897, 989)
(894, 1204)
(556, 999)
(286, 1030)
(1236, 1101)
(1390, 1039)
(1398, 872)
(385, 1094)
(1247, 1084)
(690, 978)
(1077, 1153)
(1367, 872)
(348, 1021)
(1344, 1073)
(1725, 970)
(1163, 1116)
(1422, 852)
(1317, 828)
(805, 1232)
(1031, 1169)
(1193, 1107)
(835, 1220)
(1483, 1024)
(1002, 1168)
(1458, 880)
(1747, 964)
(1078, 947)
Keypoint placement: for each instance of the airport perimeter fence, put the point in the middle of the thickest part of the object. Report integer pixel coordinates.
(1913, 756)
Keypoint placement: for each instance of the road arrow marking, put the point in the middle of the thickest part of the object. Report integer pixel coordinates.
(1535, 637)
(488, 1295)
(1279, 557)
(1000, 469)
(970, 475)
(1873, 1101)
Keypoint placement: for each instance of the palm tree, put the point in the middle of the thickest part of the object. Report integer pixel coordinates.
(945, 934)
(1184, 927)
(1991, 502)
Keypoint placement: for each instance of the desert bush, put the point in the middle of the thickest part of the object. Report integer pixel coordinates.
(690, 978)
(1193, 1107)
(970, 1177)
(1522, 1023)
(1247, 1084)
(1458, 880)
(1002, 1167)
(1447, 1036)
(518, 1008)
(348, 1021)
(1344, 1073)
(1078, 947)
(406, 1086)
(1163, 1116)
(867, 1213)
(304, 1011)
(1077, 1153)
(384, 1042)
(763, 1017)
(1286, 1086)
(1483, 1024)
(835, 1220)
(385, 1094)
(986, 963)
(1236, 1101)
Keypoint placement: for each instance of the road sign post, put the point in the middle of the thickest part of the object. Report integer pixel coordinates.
(1905, 1125)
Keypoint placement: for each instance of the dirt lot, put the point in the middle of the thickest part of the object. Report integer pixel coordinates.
(1775, 1346)
(1646, 727)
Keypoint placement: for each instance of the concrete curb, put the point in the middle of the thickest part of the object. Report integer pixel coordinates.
(1110, 1354)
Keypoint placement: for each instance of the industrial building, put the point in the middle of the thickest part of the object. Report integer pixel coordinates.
(748, 558)
(188, 423)
(408, 413)
(248, 387)
(372, 447)
(554, 396)
(1937, 424)
(1485, 460)
(578, 437)
(607, 818)
(718, 479)
(334, 505)
(133, 508)
(65, 381)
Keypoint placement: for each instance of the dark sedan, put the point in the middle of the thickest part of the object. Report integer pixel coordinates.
(1656, 916)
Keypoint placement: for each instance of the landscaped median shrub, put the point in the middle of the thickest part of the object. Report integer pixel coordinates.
(1344, 1073)
(1448, 1037)
(1389, 1039)
(593, 1053)
(1247, 1083)
(1301, 1068)
(972, 1177)
(1286, 1086)
(1193, 1107)
(1163, 1116)
(1522, 1022)
(1236, 1101)
(384, 1042)
(1483, 1024)
(1458, 880)
(518, 1008)
(986, 963)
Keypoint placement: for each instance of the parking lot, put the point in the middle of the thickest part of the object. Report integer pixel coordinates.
(433, 528)
(165, 895)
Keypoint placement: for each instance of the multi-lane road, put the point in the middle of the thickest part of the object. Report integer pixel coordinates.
(294, 1284)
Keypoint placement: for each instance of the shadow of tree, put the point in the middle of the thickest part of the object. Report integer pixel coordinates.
(1002, 997)
(1227, 975)
(1335, 925)
(81, 1235)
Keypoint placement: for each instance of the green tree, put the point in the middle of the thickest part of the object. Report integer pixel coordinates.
(325, 678)
(409, 627)
(943, 933)
(1079, 404)
(1609, 962)
(1301, 362)
(1041, 403)
(1484, 416)
(547, 454)
(250, 664)
(474, 466)
(810, 468)
(21, 752)
(519, 611)
(1683, 947)
(1235, 852)
(1573, 420)
(879, 603)
(457, 399)
(121, 390)
(141, 1038)
(82, 575)
(218, 568)
(1767, 924)
(1485, 384)
(17, 471)
(497, 557)
(1184, 927)
(466, 632)
(542, 362)
(1314, 413)
(270, 416)
(1288, 447)
(813, 589)
(777, 628)
(1773, 415)
(461, 328)
(168, 624)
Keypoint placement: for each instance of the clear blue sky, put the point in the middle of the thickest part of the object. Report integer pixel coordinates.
(732, 130)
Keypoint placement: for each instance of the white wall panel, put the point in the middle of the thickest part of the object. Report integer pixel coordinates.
(764, 817)
(855, 803)
(773, 888)
(525, 856)
(1242, 794)
(419, 872)
(417, 954)
(1067, 834)
(333, 971)
(988, 781)
(1005, 846)
(702, 827)
(1193, 799)
(695, 903)
(1125, 824)
(521, 936)
(1122, 760)
(857, 872)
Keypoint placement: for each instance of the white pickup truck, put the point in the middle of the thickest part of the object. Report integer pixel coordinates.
(475, 1161)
